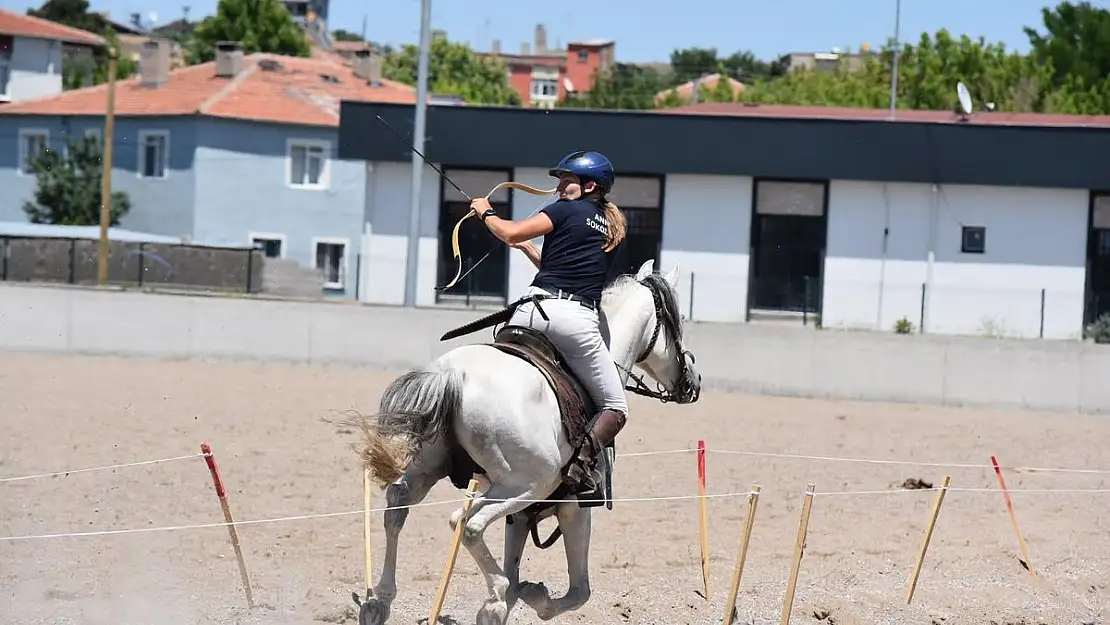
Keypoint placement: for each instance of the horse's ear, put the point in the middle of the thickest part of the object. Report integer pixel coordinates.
(672, 276)
(645, 269)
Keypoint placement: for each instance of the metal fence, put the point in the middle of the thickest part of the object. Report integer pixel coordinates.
(156, 265)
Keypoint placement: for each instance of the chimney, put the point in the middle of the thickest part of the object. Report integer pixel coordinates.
(368, 66)
(495, 47)
(541, 39)
(154, 62)
(525, 49)
(229, 58)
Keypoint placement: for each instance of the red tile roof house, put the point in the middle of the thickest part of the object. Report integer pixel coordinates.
(32, 52)
(241, 149)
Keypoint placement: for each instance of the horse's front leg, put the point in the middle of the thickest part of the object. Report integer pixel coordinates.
(574, 521)
(411, 489)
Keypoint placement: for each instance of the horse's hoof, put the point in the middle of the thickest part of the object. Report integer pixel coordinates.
(373, 611)
(536, 597)
(493, 612)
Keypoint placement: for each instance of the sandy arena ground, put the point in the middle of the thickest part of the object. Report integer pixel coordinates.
(279, 459)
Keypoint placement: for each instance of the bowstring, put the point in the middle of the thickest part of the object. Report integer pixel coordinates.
(498, 241)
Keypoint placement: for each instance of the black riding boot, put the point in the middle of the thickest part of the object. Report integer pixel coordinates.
(582, 476)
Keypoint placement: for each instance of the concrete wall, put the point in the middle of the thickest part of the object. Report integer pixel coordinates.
(707, 233)
(387, 202)
(1035, 239)
(243, 191)
(1067, 376)
(35, 70)
(158, 205)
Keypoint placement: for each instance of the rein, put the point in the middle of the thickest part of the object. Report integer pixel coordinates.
(457, 253)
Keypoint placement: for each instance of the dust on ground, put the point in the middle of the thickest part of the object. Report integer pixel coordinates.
(279, 459)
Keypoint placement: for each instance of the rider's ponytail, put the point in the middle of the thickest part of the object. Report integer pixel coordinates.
(615, 219)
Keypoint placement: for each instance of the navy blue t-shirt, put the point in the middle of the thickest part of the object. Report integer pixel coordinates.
(572, 258)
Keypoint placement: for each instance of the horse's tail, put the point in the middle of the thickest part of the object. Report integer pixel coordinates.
(416, 408)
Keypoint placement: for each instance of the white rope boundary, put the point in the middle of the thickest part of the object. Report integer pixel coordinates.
(891, 491)
(102, 468)
(640, 454)
(323, 515)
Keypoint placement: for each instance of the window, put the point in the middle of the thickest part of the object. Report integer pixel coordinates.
(973, 240)
(31, 142)
(331, 260)
(545, 88)
(583, 55)
(272, 245)
(7, 43)
(153, 153)
(308, 163)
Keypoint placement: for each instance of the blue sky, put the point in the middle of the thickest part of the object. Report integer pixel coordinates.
(766, 27)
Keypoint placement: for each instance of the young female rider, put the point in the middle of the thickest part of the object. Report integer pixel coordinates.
(581, 230)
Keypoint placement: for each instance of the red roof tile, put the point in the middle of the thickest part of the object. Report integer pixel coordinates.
(20, 25)
(735, 109)
(293, 90)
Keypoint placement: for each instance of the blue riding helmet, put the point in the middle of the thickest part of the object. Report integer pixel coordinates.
(587, 165)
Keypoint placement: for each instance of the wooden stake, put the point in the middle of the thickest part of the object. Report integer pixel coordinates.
(928, 536)
(799, 549)
(741, 556)
(366, 527)
(106, 174)
(449, 567)
(221, 492)
(703, 520)
(1026, 562)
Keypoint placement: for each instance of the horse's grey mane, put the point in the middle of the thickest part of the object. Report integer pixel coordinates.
(672, 317)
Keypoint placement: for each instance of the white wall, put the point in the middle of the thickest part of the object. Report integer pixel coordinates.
(1035, 239)
(385, 248)
(706, 231)
(521, 270)
(35, 70)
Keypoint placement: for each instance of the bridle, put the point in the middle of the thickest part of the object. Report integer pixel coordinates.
(684, 391)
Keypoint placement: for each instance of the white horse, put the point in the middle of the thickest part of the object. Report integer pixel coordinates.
(501, 410)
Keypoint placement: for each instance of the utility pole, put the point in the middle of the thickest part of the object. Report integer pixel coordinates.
(894, 65)
(106, 175)
(411, 272)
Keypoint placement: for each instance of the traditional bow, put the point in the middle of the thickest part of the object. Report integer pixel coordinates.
(457, 253)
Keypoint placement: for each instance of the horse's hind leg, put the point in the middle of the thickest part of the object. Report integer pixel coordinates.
(411, 489)
(483, 512)
(574, 521)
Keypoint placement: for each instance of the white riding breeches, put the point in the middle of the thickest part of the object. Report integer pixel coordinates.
(576, 332)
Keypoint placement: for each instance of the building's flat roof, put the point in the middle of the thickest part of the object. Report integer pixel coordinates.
(761, 141)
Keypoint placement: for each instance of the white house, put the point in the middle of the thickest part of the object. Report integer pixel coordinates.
(784, 213)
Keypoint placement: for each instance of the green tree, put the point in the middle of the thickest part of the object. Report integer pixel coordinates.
(927, 77)
(1076, 46)
(623, 86)
(68, 190)
(453, 69)
(345, 35)
(261, 26)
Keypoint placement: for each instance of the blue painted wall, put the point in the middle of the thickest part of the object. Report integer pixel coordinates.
(227, 180)
(161, 206)
(242, 170)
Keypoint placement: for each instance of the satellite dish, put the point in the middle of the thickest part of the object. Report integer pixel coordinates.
(965, 97)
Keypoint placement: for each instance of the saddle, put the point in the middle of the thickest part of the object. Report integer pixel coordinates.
(576, 407)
